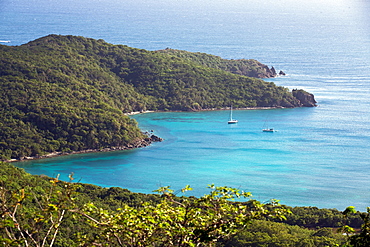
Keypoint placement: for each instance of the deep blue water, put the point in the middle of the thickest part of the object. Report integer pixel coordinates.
(318, 157)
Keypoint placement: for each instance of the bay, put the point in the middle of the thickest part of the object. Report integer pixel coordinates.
(318, 157)
(315, 158)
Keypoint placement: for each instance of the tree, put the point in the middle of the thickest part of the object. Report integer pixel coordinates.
(37, 225)
(33, 215)
(362, 239)
(178, 221)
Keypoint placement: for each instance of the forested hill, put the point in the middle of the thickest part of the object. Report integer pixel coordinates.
(68, 93)
(247, 67)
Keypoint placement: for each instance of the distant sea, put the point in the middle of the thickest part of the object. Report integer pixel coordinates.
(318, 157)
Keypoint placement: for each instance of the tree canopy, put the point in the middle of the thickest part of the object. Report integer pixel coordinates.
(247, 67)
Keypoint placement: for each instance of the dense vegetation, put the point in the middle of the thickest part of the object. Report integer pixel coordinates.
(247, 67)
(67, 93)
(41, 211)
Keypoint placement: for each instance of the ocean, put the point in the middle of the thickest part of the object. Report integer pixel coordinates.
(318, 156)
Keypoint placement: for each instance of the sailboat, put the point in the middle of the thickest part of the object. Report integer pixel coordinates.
(232, 121)
(267, 129)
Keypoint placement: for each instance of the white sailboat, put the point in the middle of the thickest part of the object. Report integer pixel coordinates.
(267, 129)
(232, 121)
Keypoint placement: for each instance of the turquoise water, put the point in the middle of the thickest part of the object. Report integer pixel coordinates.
(306, 162)
(318, 157)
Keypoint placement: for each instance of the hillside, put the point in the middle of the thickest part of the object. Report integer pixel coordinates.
(246, 67)
(68, 93)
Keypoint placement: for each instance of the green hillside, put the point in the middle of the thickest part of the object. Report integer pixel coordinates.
(68, 93)
(247, 67)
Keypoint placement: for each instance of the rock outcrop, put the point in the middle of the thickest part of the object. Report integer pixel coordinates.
(153, 138)
(263, 72)
(273, 71)
(306, 99)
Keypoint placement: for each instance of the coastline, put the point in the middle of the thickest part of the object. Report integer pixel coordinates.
(211, 109)
(139, 144)
(136, 112)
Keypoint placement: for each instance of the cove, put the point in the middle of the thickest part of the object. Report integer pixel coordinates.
(301, 164)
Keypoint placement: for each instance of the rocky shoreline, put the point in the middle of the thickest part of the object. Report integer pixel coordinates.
(138, 144)
(306, 99)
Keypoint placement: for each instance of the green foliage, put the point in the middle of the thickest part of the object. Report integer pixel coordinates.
(246, 67)
(46, 216)
(42, 211)
(31, 218)
(362, 239)
(54, 99)
(267, 233)
(313, 217)
(67, 93)
(176, 221)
